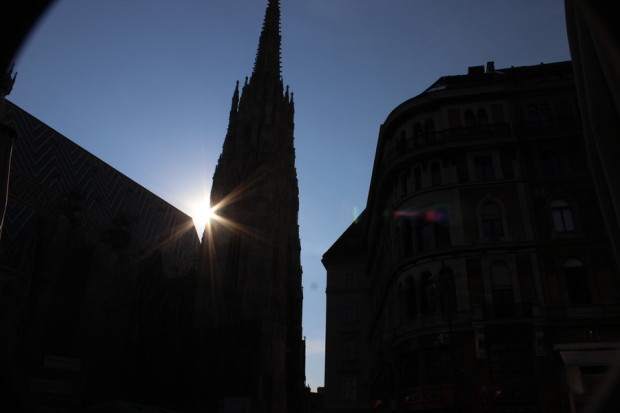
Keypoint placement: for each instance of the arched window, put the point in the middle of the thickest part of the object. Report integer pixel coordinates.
(576, 281)
(407, 238)
(417, 133)
(417, 176)
(501, 287)
(442, 228)
(491, 219)
(427, 294)
(411, 299)
(403, 184)
(435, 174)
(470, 120)
(482, 117)
(447, 290)
(562, 216)
(400, 141)
(429, 130)
(424, 234)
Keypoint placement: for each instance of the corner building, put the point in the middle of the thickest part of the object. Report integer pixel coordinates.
(491, 283)
(251, 251)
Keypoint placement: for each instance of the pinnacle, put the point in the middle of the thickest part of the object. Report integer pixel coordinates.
(267, 63)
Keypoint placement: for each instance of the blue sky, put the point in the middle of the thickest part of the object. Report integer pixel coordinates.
(145, 85)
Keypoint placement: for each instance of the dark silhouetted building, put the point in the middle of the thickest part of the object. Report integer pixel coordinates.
(106, 295)
(97, 276)
(251, 269)
(486, 278)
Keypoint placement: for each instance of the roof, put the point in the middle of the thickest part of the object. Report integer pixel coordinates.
(477, 75)
(350, 242)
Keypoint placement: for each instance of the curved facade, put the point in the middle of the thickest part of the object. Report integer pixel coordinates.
(491, 281)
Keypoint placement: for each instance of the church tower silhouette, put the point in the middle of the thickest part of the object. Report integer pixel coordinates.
(250, 263)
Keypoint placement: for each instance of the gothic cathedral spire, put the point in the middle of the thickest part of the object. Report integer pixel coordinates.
(251, 253)
(268, 64)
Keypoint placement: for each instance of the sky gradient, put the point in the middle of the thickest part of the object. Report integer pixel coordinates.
(145, 85)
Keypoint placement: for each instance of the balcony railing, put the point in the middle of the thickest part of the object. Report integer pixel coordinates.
(494, 130)
(548, 126)
(506, 311)
(483, 131)
(448, 135)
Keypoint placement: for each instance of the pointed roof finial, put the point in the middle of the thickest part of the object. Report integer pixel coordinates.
(235, 102)
(268, 55)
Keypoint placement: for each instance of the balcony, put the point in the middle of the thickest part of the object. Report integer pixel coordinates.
(479, 131)
(507, 311)
(448, 136)
(549, 126)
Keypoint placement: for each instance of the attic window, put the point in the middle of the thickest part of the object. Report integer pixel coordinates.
(437, 87)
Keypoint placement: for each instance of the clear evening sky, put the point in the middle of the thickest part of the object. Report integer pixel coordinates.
(145, 85)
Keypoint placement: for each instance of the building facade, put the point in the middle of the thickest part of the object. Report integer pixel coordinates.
(97, 276)
(251, 250)
(491, 279)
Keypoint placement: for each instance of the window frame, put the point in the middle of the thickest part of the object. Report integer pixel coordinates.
(577, 285)
(562, 217)
(490, 221)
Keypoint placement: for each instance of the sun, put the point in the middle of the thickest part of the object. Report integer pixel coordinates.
(202, 214)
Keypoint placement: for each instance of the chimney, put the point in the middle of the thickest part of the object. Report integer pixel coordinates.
(490, 67)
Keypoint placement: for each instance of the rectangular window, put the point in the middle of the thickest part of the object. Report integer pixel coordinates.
(551, 163)
(476, 285)
(349, 350)
(483, 166)
(492, 227)
(497, 113)
(418, 178)
(435, 175)
(454, 118)
(503, 303)
(577, 285)
(350, 313)
(350, 388)
(350, 279)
